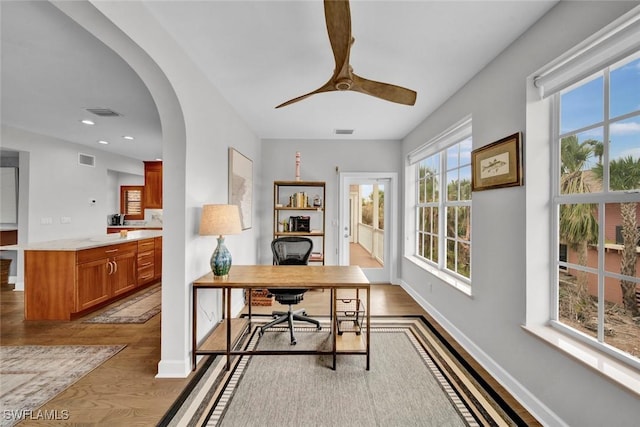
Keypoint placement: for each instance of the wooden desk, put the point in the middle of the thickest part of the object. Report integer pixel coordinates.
(226, 334)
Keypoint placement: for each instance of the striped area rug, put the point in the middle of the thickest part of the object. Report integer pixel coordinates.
(414, 380)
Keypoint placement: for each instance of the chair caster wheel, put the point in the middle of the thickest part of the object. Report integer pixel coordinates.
(294, 342)
(319, 328)
(260, 332)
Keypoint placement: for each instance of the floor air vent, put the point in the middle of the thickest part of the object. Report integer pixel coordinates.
(344, 131)
(86, 160)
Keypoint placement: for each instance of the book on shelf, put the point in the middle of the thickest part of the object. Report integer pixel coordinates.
(299, 200)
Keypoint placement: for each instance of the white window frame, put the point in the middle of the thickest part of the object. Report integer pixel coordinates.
(455, 134)
(600, 199)
(616, 41)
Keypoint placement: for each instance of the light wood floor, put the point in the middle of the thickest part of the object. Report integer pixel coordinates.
(124, 390)
(359, 256)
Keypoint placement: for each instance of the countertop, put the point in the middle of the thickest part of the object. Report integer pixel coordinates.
(86, 242)
(143, 227)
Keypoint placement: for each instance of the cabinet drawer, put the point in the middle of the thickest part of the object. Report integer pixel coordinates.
(145, 274)
(146, 245)
(144, 262)
(102, 252)
(146, 256)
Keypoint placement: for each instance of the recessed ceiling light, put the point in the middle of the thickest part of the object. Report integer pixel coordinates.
(88, 122)
(102, 141)
(128, 138)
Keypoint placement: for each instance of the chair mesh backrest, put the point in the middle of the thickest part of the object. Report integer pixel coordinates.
(291, 250)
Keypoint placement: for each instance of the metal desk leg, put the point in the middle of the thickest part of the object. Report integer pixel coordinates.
(333, 327)
(368, 308)
(228, 291)
(193, 327)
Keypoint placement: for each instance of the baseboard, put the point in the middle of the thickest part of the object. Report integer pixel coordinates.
(17, 286)
(517, 390)
(174, 368)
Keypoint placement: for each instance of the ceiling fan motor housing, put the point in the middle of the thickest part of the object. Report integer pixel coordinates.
(344, 84)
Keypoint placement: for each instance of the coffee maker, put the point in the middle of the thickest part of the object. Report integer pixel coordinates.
(117, 219)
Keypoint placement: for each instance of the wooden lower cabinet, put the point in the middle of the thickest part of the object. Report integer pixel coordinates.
(146, 261)
(123, 277)
(92, 284)
(62, 285)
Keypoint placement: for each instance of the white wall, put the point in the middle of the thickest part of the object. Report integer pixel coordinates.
(319, 160)
(115, 180)
(489, 323)
(60, 187)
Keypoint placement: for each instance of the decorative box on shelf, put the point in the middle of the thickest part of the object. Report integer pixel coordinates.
(259, 297)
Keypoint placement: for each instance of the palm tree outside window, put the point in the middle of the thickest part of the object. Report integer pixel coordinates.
(598, 189)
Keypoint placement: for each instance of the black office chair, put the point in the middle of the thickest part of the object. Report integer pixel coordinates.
(292, 250)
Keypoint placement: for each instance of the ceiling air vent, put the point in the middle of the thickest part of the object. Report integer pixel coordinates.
(86, 160)
(344, 131)
(103, 112)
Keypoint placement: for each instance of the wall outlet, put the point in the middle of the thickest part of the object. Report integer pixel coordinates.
(65, 220)
(46, 220)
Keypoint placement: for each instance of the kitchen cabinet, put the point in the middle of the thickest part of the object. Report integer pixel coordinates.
(146, 261)
(152, 185)
(112, 230)
(105, 272)
(123, 275)
(92, 284)
(65, 284)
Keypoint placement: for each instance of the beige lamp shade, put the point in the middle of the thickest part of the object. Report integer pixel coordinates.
(220, 220)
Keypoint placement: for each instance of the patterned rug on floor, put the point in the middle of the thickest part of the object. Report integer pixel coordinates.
(414, 380)
(33, 374)
(137, 309)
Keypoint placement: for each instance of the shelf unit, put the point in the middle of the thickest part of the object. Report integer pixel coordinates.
(301, 199)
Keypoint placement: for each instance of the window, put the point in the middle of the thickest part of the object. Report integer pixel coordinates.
(596, 200)
(441, 202)
(131, 201)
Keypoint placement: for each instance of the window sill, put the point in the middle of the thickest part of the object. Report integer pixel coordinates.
(605, 365)
(457, 284)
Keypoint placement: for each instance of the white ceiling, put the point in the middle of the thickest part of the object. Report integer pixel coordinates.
(258, 54)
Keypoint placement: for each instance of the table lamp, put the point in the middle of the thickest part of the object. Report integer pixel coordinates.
(220, 220)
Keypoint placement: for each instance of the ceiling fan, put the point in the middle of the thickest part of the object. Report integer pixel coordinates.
(338, 17)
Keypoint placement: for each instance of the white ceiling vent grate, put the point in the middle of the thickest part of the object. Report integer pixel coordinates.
(103, 112)
(86, 160)
(343, 131)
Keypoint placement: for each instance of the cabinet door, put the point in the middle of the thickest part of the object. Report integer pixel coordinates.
(153, 185)
(93, 283)
(124, 277)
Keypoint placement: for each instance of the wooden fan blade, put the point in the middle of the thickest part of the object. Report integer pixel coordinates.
(327, 87)
(338, 18)
(384, 91)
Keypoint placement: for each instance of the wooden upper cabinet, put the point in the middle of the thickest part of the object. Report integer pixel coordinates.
(153, 185)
